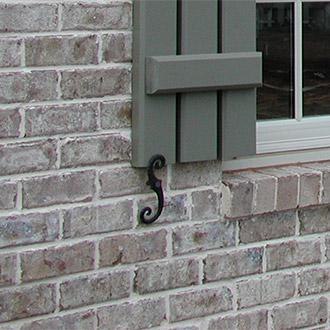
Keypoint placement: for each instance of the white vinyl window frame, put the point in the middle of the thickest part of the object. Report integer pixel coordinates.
(295, 140)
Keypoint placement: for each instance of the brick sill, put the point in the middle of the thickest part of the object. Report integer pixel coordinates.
(247, 193)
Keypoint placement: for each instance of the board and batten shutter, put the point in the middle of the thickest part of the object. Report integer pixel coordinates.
(195, 73)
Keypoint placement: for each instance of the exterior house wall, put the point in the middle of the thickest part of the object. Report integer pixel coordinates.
(246, 250)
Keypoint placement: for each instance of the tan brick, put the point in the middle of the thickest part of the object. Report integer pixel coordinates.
(166, 275)
(132, 248)
(116, 114)
(267, 226)
(137, 315)
(314, 281)
(110, 148)
(28, 228)
(8, 195)
(8, 268)
(27, 301)
(57, 261)
(28, 157)
(200, 237)
(254, 320)
(300, 315)
(9, 122)
(314, 219)
(77, 321)
(87, 83)
(61, 50)
(117, 47)
(93, 16)
(265, 290)
(60, 119)
(59, 188)
(95, 288)
(233, 264)
(293, 253)
(28, 86)
(198, 303)
(206, 205)
(10, 51)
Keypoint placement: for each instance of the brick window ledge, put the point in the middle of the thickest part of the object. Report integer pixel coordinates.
(259, 191)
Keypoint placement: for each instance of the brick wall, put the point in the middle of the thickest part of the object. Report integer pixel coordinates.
(72, 252)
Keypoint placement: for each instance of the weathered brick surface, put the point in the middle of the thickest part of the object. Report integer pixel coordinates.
(27, 301)
(76, 321)
(9, 122)
(200, 237)
(132, 248)
(233, 264)
(110, 148)
(28, 157)
(247, 321)
(8, 267)
(198, 303)
(60, 119)
(8, 194)
(10, 52)
(116, 114)
(132, 315)
(28, 228)
(61, 50)
(56, 189)
(299, 315)
(206, 205)
(57, 261)
(265, 290)
(267, 226)
(85, 83)
(166, 275)
(293, 253)
(91, 289)
(314, 220)
(117, 47)
(314, 281)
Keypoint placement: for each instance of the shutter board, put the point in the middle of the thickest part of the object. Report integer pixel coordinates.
(198, 129)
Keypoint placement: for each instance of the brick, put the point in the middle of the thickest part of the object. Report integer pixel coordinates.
(124, 249)
(28, 157)
(59, 188)
(10, 51)
(9, 122)
(28, 17)
(200, 237)
(237, 196)
(77, 321)
(116, 114)
(95, 288)
(254, 320)
(195, 174)
(314, 219)
(8, 195)
(300, 315)
(265, 290)
(117, 47)
(314, 281)
(199, 303)
(27, 301)
(132, 315)
(57, 261)
(110, 148)
(87, 83)
(60, 119)
(267, 226)
(327, 247)
(233, 264)
(166, 275)
(28, 86)
(205, 205)
(61, 50)
(29, 228)
(186, 328)
(293, 253)
(105, 16)
(125, 180)
(8, 268)
(82, 221)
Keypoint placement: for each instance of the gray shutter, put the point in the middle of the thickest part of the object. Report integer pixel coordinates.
(178, 71)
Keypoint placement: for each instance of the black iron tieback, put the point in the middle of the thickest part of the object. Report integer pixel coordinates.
(157, 162)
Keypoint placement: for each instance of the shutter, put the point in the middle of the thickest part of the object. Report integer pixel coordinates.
(178, 71)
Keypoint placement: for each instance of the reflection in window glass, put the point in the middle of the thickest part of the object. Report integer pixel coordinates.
(275, 41)
(316, 58)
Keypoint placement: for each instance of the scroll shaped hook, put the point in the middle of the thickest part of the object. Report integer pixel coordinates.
(157, 162)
